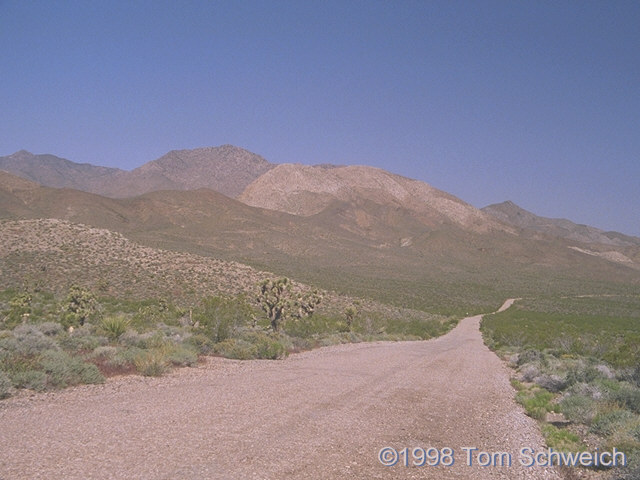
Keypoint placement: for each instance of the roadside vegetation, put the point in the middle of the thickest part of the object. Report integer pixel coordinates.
(50, 341)
(577, 370)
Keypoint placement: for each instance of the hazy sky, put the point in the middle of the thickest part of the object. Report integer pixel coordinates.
(536, 102)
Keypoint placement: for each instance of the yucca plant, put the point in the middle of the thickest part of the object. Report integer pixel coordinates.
(114, 327)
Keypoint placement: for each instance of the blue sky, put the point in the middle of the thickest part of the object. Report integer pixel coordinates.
(535, 102)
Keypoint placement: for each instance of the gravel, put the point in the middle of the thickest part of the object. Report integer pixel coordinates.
(319, 414)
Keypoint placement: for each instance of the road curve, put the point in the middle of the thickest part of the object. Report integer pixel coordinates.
(323, 414)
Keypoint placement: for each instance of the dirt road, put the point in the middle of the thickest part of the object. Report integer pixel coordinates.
(321, 414)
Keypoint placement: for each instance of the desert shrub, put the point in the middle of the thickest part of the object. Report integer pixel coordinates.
(529, 356)
(562, 440)
(536, 402)
(182, 356)
(133, 339)
(19, 310)
(151, 363)
(578, 408)
(50, 328)
(8, 345)
(5, 386)
(201, 343)
(608, 421)
(105, 351)
(586, 389)
(530, 372)
(317, 324)
(417, 328)
(219, 317)
(236, 348)
(628, 396)
(31, 341)
(12, 362)
(270, 348)
(635, 376)
(152, 312)
(64, 370)
(32, 379)
(81, 340)
(553, 383)
(632, 471)
(125, 357)
(174, 334)
(114, 326)
(154, 340)
(584, 374)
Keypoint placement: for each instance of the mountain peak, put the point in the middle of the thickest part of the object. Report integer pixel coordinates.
(21, 154)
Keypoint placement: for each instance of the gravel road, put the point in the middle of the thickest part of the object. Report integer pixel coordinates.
(320, 414)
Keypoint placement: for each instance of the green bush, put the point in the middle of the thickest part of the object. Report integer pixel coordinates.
(578, 408)
(182, 356)
(151, 363)
(607, 422)
(236, 348)
(629, 397)
(583, 374)
(201, 343)
(63, 370)
(219, 317)
(536, 402)
(31, 341)
(82, 339)
(32, 379)
(104, 352)
(5, 386)
(50, 328)
(267, 346)
(125, 357)
(562, 440)
(529, 356)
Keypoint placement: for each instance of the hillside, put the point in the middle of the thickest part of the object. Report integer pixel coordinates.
(226, 169)
(305, 190)
(407, 254)
(52, 254)
(558, 227)
(58, 172)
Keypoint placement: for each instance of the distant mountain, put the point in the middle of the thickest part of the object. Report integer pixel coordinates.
(58, 172)
(225, 169)
(557, 227)
(306, 190)
(375, 235)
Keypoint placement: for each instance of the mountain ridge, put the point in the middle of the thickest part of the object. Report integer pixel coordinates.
(226, 169)
(359, 246)
(239, 173)
(511, 213)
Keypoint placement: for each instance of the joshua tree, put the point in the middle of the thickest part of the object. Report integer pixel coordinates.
(350, 313)
(280, 302)
(79, 305)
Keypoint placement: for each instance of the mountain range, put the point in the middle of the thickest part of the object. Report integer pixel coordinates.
(356, 229)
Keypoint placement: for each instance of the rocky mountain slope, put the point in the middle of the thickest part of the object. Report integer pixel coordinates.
(374, 241)
(226, 169)
(308, 190)
(557, 227)
(57, 172)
